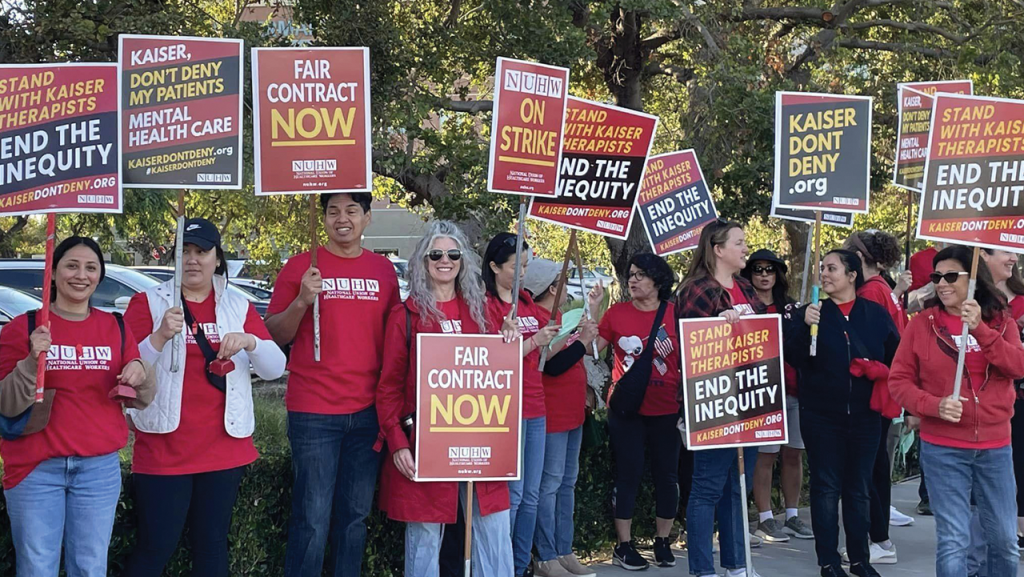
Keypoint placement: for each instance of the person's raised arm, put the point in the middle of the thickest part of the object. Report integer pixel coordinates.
(293, 296)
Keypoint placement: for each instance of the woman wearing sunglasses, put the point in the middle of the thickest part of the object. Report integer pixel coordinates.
(965, 441)
(499, 275)
(856, 343)
(445, 297)
(767, 272)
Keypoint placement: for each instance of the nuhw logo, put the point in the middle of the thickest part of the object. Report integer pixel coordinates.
(329, 164)
(69, 353)
(351, 284)
(533, 83)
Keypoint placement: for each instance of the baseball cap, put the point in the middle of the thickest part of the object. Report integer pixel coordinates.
(540, 274)
(202, 233)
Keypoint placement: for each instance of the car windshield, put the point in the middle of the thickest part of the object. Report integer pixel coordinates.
(15, 302)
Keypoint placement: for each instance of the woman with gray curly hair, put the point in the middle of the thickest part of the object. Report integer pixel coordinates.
(446, 296)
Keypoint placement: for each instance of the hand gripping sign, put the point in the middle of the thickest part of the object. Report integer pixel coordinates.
(468, 408)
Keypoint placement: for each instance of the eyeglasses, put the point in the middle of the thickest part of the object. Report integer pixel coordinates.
(949, 277)
(769, 269)
(637, 276)
(436, 254)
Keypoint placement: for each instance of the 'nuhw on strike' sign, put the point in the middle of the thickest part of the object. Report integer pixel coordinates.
(468, 408)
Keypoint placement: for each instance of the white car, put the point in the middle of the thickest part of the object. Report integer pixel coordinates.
(14, 302)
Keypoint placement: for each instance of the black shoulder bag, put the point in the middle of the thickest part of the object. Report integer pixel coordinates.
(628, 395)
(221, 383)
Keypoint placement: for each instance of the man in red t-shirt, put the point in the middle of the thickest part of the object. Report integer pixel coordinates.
(332, 421)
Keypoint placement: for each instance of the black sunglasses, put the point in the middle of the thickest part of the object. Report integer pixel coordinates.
(949, 277)
(769, 269)
(436, 254)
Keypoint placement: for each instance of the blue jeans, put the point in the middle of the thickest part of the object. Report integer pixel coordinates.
(492, 549)
(716, 484)
(557, 493)
(524, 494)
(69, 500)
(335, 472)
(952, 475)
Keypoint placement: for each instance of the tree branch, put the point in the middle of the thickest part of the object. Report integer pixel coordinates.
(782, 13)
(678, 72)
(467, 106)
(909, 26)
(897, 47)
(709, 39)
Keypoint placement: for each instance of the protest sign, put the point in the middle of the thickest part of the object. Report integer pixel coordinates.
(842, 219)
(311, 115)
(58, 139)
(180, 107)
(674, 202)
(527, 127)
(915, 116)
(974, 175)
(733, 388)
(604, 156)
(468, 408)
(822, 151)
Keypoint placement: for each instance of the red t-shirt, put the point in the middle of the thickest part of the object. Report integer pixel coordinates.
(875, 289)
(200, 444)
(452, 325)
(358, 293)
(627, 329)
(82, 367)
(565, 396)
(740, 303)
(1017, 307)
(529, 325)
(921, 267)
(845, 308)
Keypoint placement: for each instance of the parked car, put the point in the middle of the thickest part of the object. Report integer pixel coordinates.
(257, 288)
(14, 302)
(401, 269)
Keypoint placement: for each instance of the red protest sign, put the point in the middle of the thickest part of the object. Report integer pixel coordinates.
(915, 117)
(468, 408)
(733, 388)
(311, 111)
(526, 127)
(974, 176)
(604, 157)
(58, 139)
(181, 111)
(675, 202)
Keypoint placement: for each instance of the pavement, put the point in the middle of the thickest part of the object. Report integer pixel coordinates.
(915, 547)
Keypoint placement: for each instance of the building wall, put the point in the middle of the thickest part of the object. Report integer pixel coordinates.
(393, 230)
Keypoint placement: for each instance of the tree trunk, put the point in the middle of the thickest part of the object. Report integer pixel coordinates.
(798, 247)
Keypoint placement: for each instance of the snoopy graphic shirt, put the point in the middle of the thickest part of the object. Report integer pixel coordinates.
(627, 329)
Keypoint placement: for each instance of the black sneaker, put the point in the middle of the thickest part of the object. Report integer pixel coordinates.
(924, 508)
(1020, 541)
(833, 571)
(864, 570)
(627, 557)
(663, 553)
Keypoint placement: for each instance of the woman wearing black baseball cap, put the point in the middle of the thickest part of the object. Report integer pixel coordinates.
(193, 443)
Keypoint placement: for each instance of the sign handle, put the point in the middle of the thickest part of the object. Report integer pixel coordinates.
(586, 300)
(178, 342)
(44, 311)
(962, 356)
(807, 263)
(314, 246)
(468, 552)
(558, 295)
(817, 274)
(521, 230)
(745, 525)
(906, 248)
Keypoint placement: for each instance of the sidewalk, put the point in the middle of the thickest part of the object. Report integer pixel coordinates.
(915, 546)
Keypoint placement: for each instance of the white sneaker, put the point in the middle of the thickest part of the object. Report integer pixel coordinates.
(881, 555)
(897, 519)
(742, 573)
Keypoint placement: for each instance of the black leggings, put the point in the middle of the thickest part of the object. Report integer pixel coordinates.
(629, 436)
(166, 504)
(1017, 445)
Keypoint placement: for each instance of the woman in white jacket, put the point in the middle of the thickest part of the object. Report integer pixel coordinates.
(193, 443)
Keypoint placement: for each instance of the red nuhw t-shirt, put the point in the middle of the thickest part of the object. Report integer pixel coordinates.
(876, 290)
(627, 330)
(529, 325)
(358, 293)
(565, 396)
(200, 444)
(82, 367)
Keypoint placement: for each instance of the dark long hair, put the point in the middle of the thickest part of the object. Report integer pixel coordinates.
(657, 270)
(704, 261)
(501, 248)
(985, 292)
(780, 290)
(852, 263)
(1015, 283)
(62, 249)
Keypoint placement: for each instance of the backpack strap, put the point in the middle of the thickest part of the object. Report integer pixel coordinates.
(31, 326)
(408, 327)
(120, 327)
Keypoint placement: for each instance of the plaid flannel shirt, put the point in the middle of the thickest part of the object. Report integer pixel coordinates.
(706, 298)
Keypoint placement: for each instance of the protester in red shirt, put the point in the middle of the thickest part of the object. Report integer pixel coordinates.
(193, 443)
(767, 272)
(565, 400)
(332, 424)
(445, 298)
(499, 276)
(880, 251)
(62, 476)
(1006, 277)
(965, 441)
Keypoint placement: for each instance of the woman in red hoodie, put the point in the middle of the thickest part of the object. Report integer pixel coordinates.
(965, 441)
